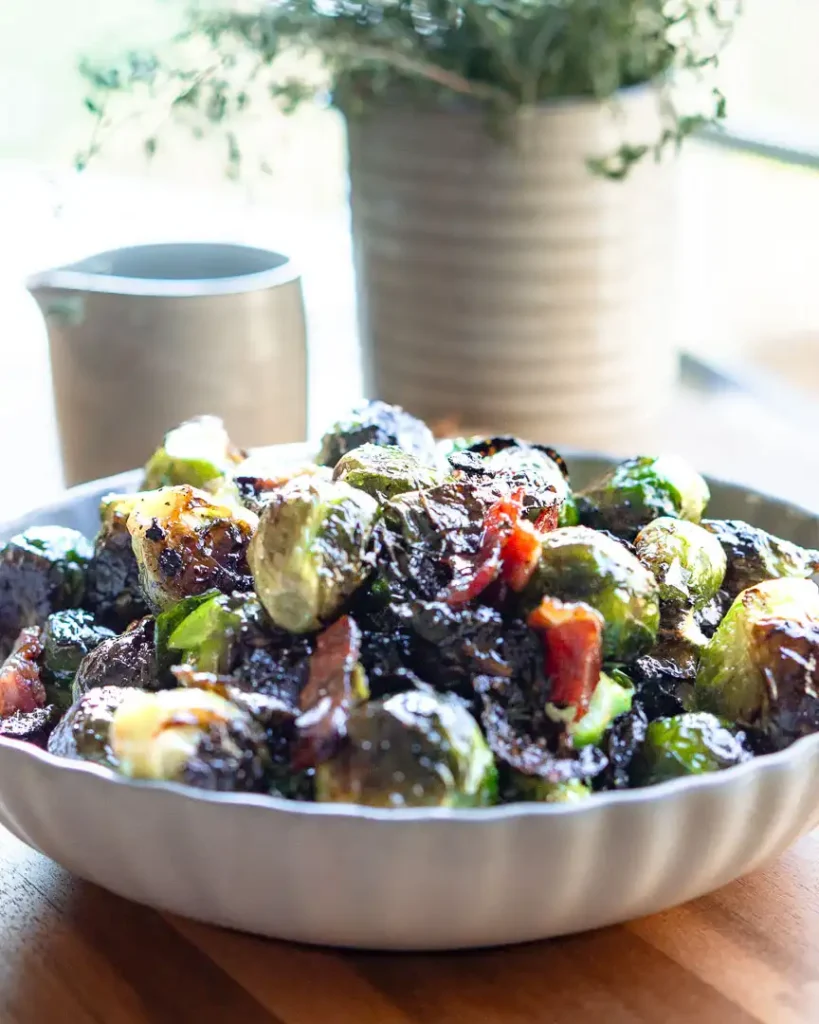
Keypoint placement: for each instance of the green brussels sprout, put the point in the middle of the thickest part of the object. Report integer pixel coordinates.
(686, 560)
(688, 744)
(198, 453)
(67, 637)
(380, 424)
(190, 736)
(522, 787)
(41, 571)
(414, 749)
(579, 564)
(128, 660)
(185, 544)
(205, 637)
(384, 472)
(84, 732)
(310, 551)
(113, 592)
(611, 697)
(753, 555)
(638, 490)
(761, 667)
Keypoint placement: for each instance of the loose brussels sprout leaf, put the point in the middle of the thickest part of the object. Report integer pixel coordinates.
(84, 730)
(113, 592)
(688, 744)
(310, 551)
(380, 424)
(384, 472)
(530, 788)
(761, 667)
(414, 749)
(205, 637)
(21, 688)
(167, 623)
(185, 545)
(198, 453)
(195, 737)
(122, 661)
(638, 490)
(67, 637)
(579, 564)
(611, 697)
(753, 555)
(31, 726)
(41, 571)
(687, 561)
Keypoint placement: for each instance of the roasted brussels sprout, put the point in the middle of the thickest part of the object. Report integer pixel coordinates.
(753, 555)
(761, 667)
(517, 787)
(579, 564)
(31, 726)
(198, 453)
(191, 736)
(688, 744)
(621, 744)
(67, 637)
(129, 660)
(21, 688)
(261, 475)
(185, 545)
(310, 551)
(113, 591)
(41, 571)
(638, 490)
(414, 749)
(84, 732)
(380, 424)
(611, 697)
(687, 561)
(665, 675)
(384, 472)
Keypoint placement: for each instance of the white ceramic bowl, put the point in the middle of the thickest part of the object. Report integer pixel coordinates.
(412, 879)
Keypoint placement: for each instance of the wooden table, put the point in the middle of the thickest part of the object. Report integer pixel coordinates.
(71, 953)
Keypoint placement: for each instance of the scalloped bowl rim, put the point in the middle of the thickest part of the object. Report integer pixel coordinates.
(766, 763)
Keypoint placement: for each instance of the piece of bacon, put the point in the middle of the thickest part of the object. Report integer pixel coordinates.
(21, 688)
(572, 643)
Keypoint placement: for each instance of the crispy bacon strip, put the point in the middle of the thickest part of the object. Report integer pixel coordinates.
(572, 643)
(21, 688)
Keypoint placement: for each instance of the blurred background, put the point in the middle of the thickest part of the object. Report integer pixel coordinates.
(745, 252)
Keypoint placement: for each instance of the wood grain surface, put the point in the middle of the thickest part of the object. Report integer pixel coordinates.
(71, 953)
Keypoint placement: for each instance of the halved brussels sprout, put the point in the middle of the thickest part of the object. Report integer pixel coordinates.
(686, 560)
(384, 472)
(195, 737)
(579, 564)
(611, 697)
(414, 749)
(128, 660)
(638, 490)
(754, 555)
(381, 424)
(310, 551)
(185, 545)
(113, 591)
(761, 667)
(41, 571)
(84, 732)
(198, 453)
(67, 637)
(688, 744)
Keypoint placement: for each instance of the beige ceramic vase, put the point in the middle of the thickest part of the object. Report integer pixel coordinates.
(504, 287)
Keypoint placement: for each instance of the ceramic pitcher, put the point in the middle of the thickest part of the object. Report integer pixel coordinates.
(144, 337)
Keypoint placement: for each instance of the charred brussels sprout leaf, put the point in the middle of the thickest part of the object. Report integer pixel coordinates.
(191, 736)
(414, 749)
(380, 424)
(579, 564)
(611, 697)
(665, 675)
(622, 744)
(198, 453)
(309, 553)
(84, 731)
(753, 555)
(761, 667)
(384, 472)
(122, 661)
(687, 561)
(688, 744)
(41, 571)
(186, 545)
(67, 638)
(113, 591)
(638, 490)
